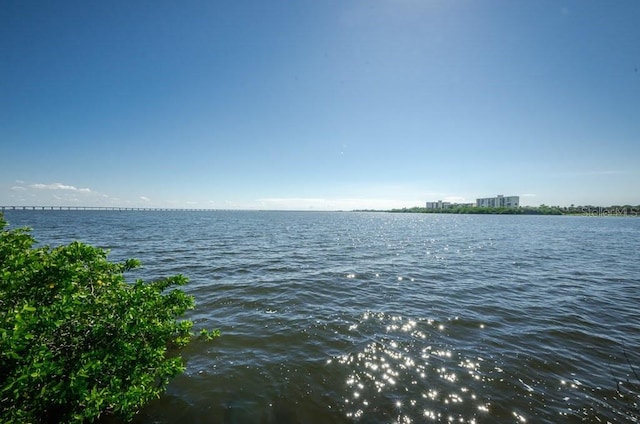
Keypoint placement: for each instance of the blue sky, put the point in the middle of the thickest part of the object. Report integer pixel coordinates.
(318, 104)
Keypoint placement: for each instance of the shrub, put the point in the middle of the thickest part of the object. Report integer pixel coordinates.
(76, 340)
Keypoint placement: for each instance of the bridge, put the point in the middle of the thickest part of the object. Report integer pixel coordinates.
(96, 208)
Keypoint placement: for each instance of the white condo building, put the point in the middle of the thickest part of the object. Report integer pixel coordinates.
(438, 205)
(446, 205)
(499, 201)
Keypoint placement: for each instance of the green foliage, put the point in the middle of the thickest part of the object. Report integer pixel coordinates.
(524, 210)
(209, 335)
(76, 340)
(615, 210)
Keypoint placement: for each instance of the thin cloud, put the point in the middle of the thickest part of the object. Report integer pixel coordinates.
(292, 199)
(59, 186)
(335, 204)
(455, 199)
(18, 188)
(145, 199)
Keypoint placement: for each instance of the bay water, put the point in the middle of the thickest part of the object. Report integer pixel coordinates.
(339, 317)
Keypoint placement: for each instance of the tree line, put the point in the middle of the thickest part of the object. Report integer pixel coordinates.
(588, 210)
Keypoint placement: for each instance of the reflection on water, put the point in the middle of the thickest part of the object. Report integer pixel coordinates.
(385, 318)
(404, 375)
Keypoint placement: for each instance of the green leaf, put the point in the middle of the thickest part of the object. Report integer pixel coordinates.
(76, 333)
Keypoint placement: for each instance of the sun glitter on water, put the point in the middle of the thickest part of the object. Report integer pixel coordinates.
(407, 371)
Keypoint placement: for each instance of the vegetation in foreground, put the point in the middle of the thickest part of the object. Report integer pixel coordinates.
(78, 342)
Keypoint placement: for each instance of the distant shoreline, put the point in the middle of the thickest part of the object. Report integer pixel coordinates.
(593, 211)
(626, 211)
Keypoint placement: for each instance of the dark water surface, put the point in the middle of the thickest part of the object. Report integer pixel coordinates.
(388, 318)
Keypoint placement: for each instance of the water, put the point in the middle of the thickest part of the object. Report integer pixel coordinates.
(385, 318)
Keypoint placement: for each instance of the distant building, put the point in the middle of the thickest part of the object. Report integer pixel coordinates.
(499, 201)
(438, 205)
(446, 205)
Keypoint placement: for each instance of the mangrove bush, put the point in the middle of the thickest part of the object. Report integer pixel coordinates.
(76, 340)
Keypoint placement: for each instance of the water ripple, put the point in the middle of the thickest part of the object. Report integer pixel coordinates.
(389, 318)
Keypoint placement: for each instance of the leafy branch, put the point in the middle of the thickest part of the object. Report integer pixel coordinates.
(76, 340)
